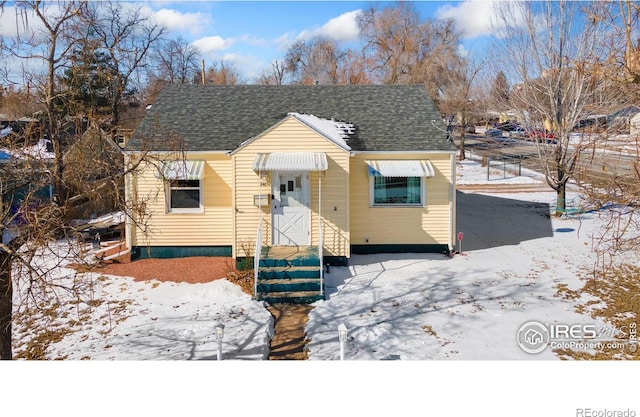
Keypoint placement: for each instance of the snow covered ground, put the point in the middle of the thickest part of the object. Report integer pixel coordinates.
(430, 306)
(405, 307)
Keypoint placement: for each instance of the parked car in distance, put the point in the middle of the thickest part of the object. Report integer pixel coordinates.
(518, 132)
(507, 126)
(541, 136)
(494, 133)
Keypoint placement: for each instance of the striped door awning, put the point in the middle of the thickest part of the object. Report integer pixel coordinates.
(181, 170)
(291, 161)
(401, 168)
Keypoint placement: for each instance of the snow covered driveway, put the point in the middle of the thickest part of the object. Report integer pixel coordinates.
(430, 306)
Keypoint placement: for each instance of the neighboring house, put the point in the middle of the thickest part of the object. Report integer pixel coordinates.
(20, 181)
(93, 161)
(353, 169)
(622, 121)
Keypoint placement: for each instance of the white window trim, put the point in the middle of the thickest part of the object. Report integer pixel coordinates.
(194, 210)
(423, 196)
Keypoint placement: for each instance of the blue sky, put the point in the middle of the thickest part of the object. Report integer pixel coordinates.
(251, 34)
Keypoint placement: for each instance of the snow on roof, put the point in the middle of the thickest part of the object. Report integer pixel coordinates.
(38, 151)
(337, 132)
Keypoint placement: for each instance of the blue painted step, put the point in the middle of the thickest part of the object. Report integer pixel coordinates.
(288, 285)
(287, 272)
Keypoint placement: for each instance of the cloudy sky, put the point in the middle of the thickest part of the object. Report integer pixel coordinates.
(252, 34)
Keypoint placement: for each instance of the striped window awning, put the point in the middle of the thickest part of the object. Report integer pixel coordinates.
(401, 168)
(181, 170)
(291, 161)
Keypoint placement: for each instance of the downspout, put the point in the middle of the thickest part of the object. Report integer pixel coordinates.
(127, 199)
(258, 245)
(320, 237)
(452, 203)
(260, 197)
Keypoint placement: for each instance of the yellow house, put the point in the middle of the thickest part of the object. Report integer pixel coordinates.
(264, 171)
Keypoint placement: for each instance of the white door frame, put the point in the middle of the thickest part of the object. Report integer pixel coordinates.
(279, 238)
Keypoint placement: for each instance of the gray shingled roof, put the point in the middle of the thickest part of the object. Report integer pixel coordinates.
(215, 118)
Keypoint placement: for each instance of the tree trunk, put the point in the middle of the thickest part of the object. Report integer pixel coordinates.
(462, 157)
(6, 305)
(561, 199)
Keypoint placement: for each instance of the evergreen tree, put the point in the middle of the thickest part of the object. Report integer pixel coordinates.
(501, 90)
(89, 82)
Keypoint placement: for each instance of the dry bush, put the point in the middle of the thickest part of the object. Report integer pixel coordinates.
(617, 291)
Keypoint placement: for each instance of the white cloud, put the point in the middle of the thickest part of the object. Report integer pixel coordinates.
(252, 40)
(285, 41)
(341, 28)
(182, 22)
(213, 44)
(463, 51)
(473, 18)
(248, 65)
(16, 22)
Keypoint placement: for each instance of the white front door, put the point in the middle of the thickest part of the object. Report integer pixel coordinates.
(290, 209)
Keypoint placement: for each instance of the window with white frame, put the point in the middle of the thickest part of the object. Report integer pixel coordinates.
(183, 182)
(397, 191)
(184, 196)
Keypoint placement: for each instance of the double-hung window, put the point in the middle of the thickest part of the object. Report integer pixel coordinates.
(184, 185)
(398, 182)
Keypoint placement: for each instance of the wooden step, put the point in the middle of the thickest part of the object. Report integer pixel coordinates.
(117, 251)
(295, 297)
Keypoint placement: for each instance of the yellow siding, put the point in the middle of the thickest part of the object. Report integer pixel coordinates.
(293, 136)
(230, 217)
(401, 225)
(213, 227)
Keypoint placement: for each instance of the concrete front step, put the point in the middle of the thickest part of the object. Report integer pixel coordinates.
(295, 297)
(288, 285)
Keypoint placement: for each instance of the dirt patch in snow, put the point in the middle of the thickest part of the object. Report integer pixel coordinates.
(193, 270)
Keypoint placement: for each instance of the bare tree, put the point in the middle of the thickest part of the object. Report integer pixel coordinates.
(354, 69)
(30, 220)
(318, 60)
(127, 36)
(275, 76)
(222, 73)
(176, 61)
(458, 98)
(402, 48)
(44, 40)
(622, 18)
(612, 177)
(547, 50)
(393, 36)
